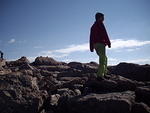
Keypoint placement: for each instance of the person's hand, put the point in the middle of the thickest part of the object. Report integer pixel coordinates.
(91, 50)
(109, 45)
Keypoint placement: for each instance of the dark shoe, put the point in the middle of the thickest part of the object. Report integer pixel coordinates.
(100, 78)
(107, 76)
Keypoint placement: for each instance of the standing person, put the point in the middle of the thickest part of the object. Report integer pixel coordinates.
(99, 40)
(1, 54)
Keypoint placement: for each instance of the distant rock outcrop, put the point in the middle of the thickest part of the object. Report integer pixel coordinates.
(132, 71)
(46, 61)
(49, 86)
(3, 67)
(23, 60)
(2, 62)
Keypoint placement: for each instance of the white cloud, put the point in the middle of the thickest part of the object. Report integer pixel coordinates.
(67, 60)
(22, 41)
(73, 48)
(11, 41)
(37, 47)
(126, 49)
(139, 61)
(120, 43)
(115, 61)
(132, 49)
(52, 54)
(31, 59)
(117, 44)
(59, 53)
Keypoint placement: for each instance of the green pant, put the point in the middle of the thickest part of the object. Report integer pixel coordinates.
(101, 52)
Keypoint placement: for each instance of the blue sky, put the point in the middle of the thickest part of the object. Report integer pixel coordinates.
(60, 29)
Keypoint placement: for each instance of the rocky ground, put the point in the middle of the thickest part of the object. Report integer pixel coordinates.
(49, 86)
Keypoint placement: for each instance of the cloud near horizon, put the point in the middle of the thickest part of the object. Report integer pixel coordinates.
(116, 44)
(11, 41)
(119, 43)
(141, 61)
(111, 61)
(114, 61)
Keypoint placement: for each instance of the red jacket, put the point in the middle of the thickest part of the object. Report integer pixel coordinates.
(98, 35)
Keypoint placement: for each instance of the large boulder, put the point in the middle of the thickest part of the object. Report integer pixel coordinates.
(100, 86)
(4, 71)
(84, 67)
(98, 103)
(26, 66)
(46, 61)
(93, 64)
(76, 65)
(123, 84)
(143, 94)
(140, 108)
(132, 71)
(2, 62)
(19, 94)
(60, 68)
(114, 83)
(68, 92)
(23, 60)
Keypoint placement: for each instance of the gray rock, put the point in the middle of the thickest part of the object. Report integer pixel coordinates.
(67, 92)
(76, 65)
(67, 78)
(45, 61)
(26, 66)
(54, 99)
(19, 94)
(143, 94)
(132, 71)
(84, 67)
(49, 86)
(23, 60)
(62, 91)
(99, 103)
(124, 84)
(140, 108)
(2, 62)
(101, 86)
(54, 68)
(77, 92)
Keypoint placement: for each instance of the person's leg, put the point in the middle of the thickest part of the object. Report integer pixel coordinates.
(2, 55)
(101, 69)
(100, 50)
(106, 65)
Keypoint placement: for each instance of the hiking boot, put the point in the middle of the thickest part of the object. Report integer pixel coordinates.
(107, 76)
(99, 78)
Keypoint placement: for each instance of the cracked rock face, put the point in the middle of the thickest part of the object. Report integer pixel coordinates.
(132, 71)
(49, 86)
(104, 103)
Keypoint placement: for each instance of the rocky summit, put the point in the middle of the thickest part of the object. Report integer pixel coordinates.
(49, 86)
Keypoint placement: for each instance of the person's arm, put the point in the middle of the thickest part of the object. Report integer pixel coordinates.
(91, 41)
(106, 37)
(108, 41)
